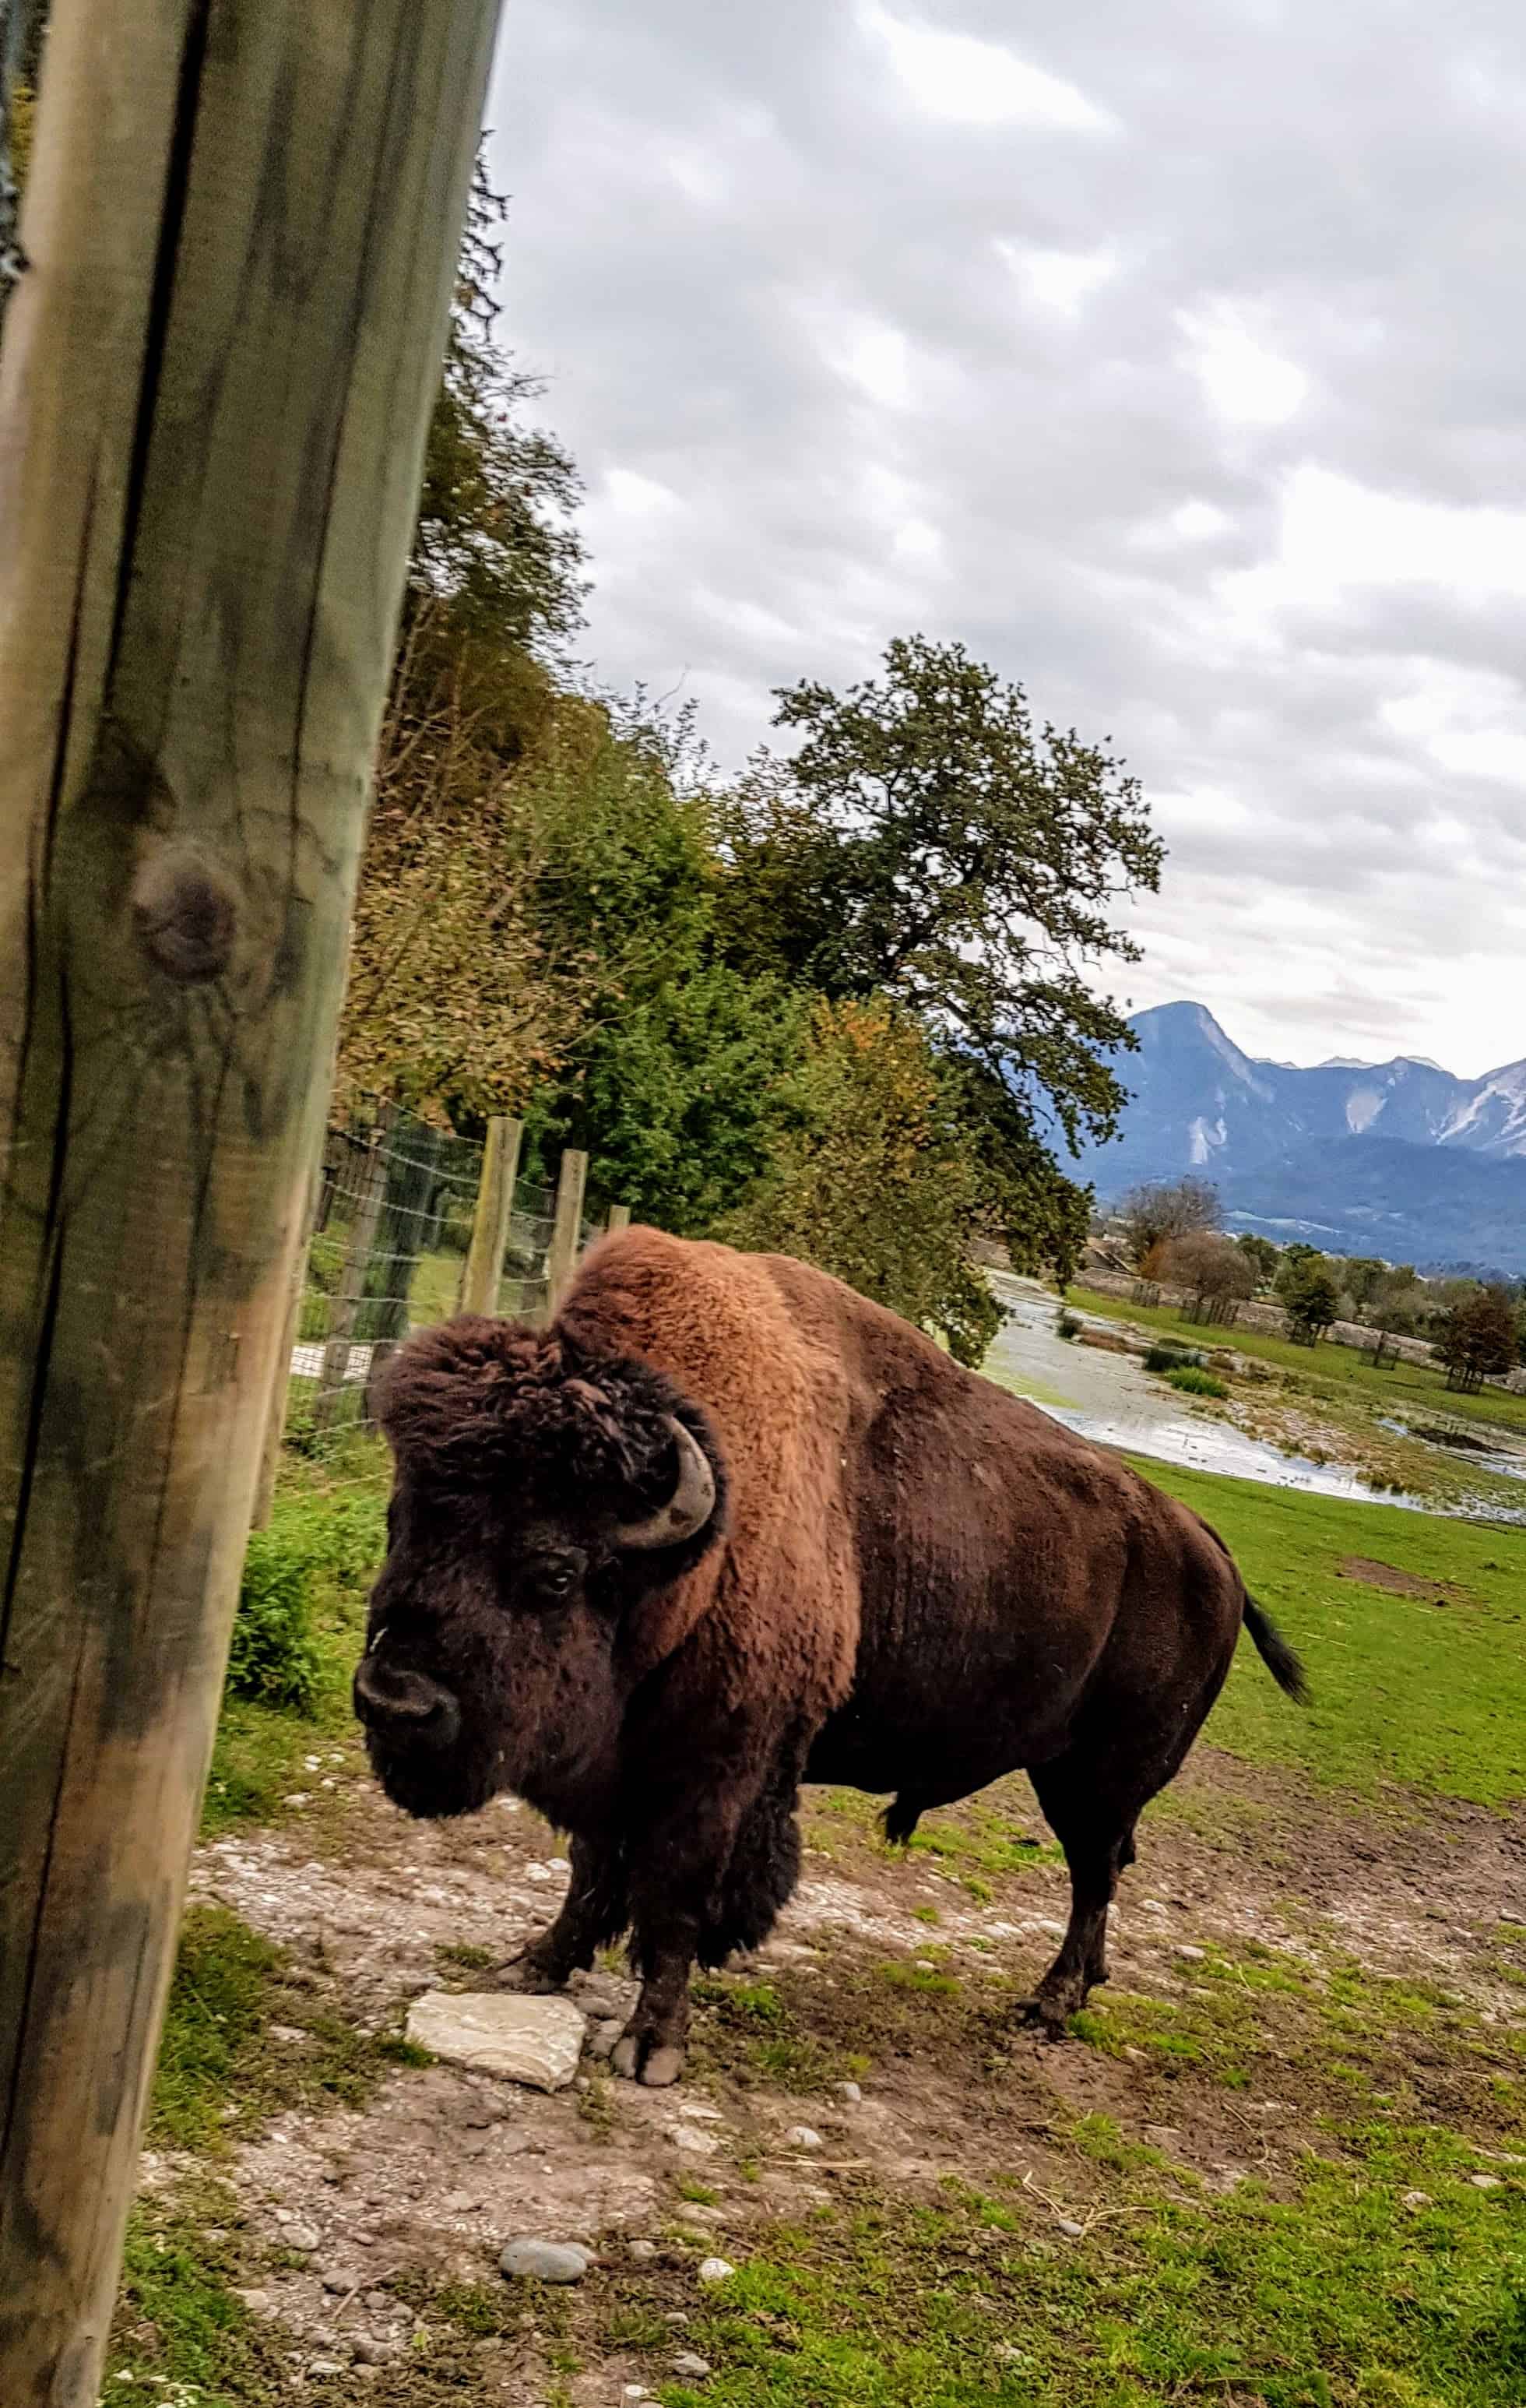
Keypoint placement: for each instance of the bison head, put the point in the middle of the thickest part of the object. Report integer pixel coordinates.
(541, 1492)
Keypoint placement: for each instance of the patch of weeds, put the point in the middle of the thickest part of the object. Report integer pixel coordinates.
(926, 1914)
(748, 2031)
(1102, 2139)
(930, 1979)
(698, 2194)
(467, 1958)
(1193, 1382)
(179, 2322)
(221, 2070)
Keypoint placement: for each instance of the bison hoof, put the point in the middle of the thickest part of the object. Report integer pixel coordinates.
(1048, 2016)
(655, 2064)
(530, 1972)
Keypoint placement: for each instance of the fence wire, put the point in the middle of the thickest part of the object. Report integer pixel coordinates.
(395, 1206)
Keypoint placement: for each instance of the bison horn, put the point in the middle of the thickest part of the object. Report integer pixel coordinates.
(688, 1508)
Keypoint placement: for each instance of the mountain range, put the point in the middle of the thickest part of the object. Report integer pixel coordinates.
(1395, 1158)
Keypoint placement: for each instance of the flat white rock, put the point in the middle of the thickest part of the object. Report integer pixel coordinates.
(533, 2040)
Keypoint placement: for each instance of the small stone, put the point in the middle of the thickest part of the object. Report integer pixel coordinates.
(690, 2369)
(1485, 2182)
(1193, 1956)
(694, 2111)
(547, 2262)
(848, 2092)
(602, 2046)
(1161, 2136)
(641, 2253)
(326, 2365)
(800, 2136)
(695, 2143)
(1152, 1906)
(257, 2302)
(297, 1798)
(333, 2282)
(1068, 2226)
(380, 2303)
(461, 2203)
(1418, 2199)
(716, 2269)
(533, 2040)
(538, 1873)
(371, 2351)
(304, 2237)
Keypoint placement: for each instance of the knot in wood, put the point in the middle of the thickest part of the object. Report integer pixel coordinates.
(185, 909)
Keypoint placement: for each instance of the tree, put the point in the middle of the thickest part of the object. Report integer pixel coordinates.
(1309, 1298)
(1161, 1210)
(1363, 1277)
(927, 842)
(1260, 1255)
(1476, 1338)
(874, 1176)
(1218, 1274)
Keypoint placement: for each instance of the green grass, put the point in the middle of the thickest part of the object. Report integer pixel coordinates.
(1335, 2295)
(1194, 1383)
(1402, 1691)
(221, 2071)
(1410, 1388)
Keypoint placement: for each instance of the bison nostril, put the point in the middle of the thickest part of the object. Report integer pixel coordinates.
(388, 1696)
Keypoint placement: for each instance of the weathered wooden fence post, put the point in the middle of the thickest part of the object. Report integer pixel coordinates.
(489, 1224)
(242, 219)
(619, 1218)
(561, 1254)
(281, 1383)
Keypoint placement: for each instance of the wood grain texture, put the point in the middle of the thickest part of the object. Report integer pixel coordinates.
(484, 1269)
(243, 217)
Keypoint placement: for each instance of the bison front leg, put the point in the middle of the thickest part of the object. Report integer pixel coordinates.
(688, 1880)
(593, 1913)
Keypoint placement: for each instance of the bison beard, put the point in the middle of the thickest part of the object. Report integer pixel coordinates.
(727, 1527)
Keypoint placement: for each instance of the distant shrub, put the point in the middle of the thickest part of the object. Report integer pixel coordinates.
(1195, 1382)
(1166, 1358)
(274, 1657)
(1067, 1324)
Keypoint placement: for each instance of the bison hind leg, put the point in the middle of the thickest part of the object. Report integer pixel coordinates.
(759, 1880)
(900, 1819)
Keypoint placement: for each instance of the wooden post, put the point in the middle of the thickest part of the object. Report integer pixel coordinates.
(242, 218)
(275, 1431)
(490, 1224)
(561, 1254)
(358, 1253)
(619, 1218)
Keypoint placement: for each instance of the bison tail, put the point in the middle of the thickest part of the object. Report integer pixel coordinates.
(1276, 1654)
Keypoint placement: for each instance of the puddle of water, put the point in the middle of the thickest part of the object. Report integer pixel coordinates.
(1482, 1458)
(1111, 1399)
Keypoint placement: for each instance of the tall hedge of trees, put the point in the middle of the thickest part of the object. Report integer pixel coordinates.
(845, 1003)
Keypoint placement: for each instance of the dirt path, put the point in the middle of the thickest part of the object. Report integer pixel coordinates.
(874, 2044)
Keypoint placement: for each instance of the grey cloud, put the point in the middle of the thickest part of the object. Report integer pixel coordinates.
(768, 284)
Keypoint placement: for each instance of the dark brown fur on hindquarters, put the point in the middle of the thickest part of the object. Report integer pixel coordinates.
(726, 1526)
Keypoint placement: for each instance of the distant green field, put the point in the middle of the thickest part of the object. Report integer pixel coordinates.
(1400, 1387)
(1404, 1690)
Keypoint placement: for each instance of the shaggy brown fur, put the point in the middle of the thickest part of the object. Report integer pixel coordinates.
(912, 1582)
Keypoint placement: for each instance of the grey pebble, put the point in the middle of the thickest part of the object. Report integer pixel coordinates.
(1072, 2231)
(642, 2253)
(850, 2093)
(690, 2369)
(304, 2237)
(370, 2352)
(547, 2262)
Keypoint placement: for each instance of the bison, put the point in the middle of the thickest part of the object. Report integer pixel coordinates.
(726, 1527)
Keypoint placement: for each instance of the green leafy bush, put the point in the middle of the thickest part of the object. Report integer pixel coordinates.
(1067, 1324)
(1194, 1383)
(274, 1657)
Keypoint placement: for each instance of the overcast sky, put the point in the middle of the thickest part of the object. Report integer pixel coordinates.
(1174, 358)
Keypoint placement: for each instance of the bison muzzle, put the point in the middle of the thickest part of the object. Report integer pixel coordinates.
(726, 1527)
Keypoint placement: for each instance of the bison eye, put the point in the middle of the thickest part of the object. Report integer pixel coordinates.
(555, 1580)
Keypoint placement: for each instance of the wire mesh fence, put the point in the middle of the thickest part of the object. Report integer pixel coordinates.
(397, 1204)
